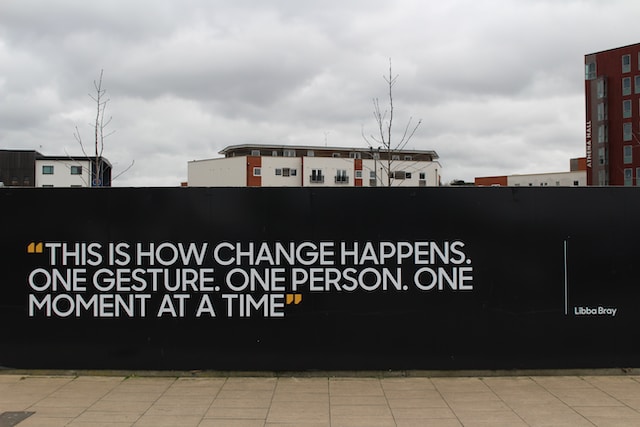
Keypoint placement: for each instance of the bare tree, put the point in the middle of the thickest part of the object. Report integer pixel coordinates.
(99, 127)
(384, 120)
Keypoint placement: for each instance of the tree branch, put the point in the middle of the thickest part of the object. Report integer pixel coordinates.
(385, 127)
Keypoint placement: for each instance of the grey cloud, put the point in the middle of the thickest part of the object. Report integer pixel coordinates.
(497, 83)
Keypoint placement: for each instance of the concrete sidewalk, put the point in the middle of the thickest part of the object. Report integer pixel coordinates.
(319, 401)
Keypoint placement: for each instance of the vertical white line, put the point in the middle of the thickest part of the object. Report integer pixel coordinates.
(566, 284)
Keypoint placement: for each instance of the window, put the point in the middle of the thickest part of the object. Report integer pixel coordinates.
(341, 176)
(316, 176)
(274, 153)
(408, 158)
(255, 152)
(602, 111)
(335, 155)
(626, 63)
(47, 170)
(408, 175)
(576, 183)
(601, 88)
(628, 177)
(626, 86)
(602, 156)
(257, 171)
(628, 154)
(422, 175)
(399, 174)
(395, 157)
(626, 108)
(47, 186)
(278, 172)
(286, 171)
(376, 156)
(76, 170)
(637, 84)
(359, 174)
(355, 155)
(294, 172)
(590, 71)
(626, 131)
(289, 153)
(310, 153)
(603, 177)
(372, 174)
(603, 134)
(637, 175)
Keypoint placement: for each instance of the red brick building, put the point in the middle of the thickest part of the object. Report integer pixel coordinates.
(612, 127)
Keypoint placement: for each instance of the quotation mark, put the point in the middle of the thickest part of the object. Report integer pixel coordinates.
(34, 248)
(294, 299)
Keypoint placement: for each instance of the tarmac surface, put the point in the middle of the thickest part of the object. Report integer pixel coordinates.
(321, 400)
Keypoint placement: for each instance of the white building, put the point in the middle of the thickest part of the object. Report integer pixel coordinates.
(575, 177)
(71, 172)
(61, 173)
(557, 179)
(251, 165)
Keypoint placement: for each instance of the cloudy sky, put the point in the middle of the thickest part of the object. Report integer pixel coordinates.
(498, 84)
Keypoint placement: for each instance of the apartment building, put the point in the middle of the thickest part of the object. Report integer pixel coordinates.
(29, 168)
(612, 92)
(258, 165)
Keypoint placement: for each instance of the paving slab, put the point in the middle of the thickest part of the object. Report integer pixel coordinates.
(322, 400)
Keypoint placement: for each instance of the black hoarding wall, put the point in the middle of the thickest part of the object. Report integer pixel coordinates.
(301, 279)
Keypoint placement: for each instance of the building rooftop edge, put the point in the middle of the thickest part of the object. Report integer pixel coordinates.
(73, 158)
(40, 156)
(9, 150)
(319, 148)
(520, 175)
(613, 49)
(548, 173)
